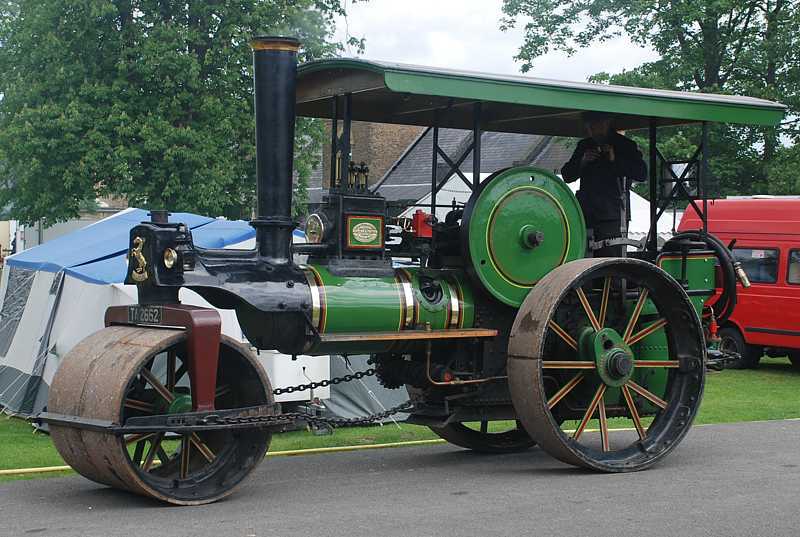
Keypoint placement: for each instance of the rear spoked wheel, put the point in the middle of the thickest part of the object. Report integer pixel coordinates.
(142, 372)
(611, 340)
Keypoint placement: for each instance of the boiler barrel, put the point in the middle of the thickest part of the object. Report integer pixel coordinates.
(411, 299)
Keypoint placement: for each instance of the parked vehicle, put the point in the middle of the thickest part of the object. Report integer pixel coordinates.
(504, 320)
(766, 240)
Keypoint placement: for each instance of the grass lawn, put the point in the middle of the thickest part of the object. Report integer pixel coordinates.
(768, 393)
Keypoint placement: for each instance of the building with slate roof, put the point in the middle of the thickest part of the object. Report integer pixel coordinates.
(410, 177)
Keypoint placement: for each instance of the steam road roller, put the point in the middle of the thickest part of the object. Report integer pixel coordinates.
(493, 314)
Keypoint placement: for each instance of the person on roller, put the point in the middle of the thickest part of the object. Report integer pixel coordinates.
(607, 163)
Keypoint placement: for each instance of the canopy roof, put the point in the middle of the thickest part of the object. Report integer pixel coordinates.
(384, 92)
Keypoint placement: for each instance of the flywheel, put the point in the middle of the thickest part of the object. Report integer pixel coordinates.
(518, 226)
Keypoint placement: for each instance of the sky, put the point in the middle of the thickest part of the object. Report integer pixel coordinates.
(465, 34)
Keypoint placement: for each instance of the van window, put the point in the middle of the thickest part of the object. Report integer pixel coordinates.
(793, 276)
(760, 264)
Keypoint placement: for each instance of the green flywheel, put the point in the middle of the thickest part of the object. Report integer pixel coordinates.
(521, 224)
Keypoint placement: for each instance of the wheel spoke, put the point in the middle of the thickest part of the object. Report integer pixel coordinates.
(604, 301)
(155, 444)
(569, 340)
(647, 394)
(567, 364)
(657, 363)
(637, 310)
(139, 405)
(601, 407)
(171, 380)
(162, 455)
(185, 452)
(180, 373)
(646, 331)
(130, 439)
(565, 389)
(598, 396)
(637, 421)
(156, 384)
(223, 390)
(138, 452)
(588, 309)
(202, 447)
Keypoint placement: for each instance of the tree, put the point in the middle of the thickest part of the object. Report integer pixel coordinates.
(721, 46)
(148, 100)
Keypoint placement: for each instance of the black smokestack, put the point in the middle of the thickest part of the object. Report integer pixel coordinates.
(274, 72)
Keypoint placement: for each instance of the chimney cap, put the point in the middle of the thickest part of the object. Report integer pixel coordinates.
(273, 42)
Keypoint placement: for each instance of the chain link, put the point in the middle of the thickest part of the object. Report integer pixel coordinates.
(324, 383)
(312, 419)
(267, 419)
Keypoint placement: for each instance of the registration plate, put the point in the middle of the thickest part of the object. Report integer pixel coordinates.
(145, 314)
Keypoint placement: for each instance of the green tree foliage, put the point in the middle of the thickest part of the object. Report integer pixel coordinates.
(148, 100)
(746, 47)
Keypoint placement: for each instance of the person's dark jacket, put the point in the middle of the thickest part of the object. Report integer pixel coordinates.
(600, 193)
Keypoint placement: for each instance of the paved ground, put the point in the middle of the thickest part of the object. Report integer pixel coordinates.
(724, 480)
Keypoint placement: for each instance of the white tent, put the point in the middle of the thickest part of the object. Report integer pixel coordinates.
(54, 295)
(456, 190)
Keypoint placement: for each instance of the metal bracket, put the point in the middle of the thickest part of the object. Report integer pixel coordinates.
(204, 332)
(174, 423)
(616, 241)
(698, 162)
(455, 165)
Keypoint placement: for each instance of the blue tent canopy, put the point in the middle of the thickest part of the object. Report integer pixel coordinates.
(96, 253)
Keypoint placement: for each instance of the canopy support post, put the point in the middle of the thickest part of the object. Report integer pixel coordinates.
(689, 185)
(454, 166)
(476, 146)
(334, 140)
(652, 246)
(435, 164)
(344, 141)
(701, 176)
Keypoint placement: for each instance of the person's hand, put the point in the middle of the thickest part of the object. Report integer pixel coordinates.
(608, 149)
(590, 155)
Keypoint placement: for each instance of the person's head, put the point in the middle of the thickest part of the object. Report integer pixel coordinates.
(599, 125)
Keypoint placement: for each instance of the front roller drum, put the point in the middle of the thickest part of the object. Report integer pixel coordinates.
(616, 340)
(126, 371)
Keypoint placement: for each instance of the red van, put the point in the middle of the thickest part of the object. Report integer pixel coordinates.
(766, 232)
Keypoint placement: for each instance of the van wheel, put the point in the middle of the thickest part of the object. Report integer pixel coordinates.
(794, 357)
(732, 341)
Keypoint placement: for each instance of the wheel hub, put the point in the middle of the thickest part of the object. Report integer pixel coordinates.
(619, 365)
(180, 405)
(613, 359)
